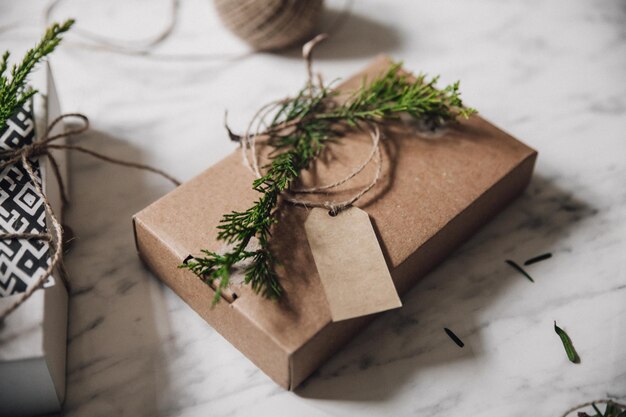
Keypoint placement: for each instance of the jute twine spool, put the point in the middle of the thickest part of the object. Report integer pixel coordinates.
(270, 24)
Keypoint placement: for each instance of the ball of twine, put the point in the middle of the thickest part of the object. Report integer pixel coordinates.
(270, 24)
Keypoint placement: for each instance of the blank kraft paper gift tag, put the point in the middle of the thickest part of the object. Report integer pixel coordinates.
(350, 263)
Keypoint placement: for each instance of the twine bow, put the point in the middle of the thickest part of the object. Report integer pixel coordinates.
(42, 147)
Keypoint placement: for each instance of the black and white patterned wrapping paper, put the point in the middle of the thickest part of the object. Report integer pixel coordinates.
(21, 261)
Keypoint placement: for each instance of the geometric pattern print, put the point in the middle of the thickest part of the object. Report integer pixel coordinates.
(22, 261)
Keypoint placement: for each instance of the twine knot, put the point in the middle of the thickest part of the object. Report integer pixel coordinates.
(40, 147)
(32, 150)
(25, 155)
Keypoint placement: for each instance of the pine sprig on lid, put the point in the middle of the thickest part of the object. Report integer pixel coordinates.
(299, 130)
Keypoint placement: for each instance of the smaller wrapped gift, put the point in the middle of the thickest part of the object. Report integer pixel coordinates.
(33, 337)
(435, 190)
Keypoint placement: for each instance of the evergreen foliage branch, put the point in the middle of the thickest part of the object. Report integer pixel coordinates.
(14, 92)
(298, 132)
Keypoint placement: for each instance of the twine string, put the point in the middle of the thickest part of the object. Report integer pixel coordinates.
(374, 154)
(137, 47)
(42, 147)
(307, 54)
(249, 139)
(335, 207)
(254, 132)
(145, 48)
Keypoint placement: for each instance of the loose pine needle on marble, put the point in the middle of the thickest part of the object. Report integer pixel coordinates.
(519, 269)
(454, 337)
(538, 258)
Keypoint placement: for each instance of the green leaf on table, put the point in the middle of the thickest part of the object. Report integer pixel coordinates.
(567, 344)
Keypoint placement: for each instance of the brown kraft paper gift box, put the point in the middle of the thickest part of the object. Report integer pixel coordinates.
(436, 190)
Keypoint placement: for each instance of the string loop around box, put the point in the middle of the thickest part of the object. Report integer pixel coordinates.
(254, 131)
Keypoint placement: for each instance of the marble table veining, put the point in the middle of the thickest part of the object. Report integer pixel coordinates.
(552, 73)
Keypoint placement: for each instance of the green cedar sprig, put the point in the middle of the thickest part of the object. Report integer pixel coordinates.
(13, 90)
(299, 130)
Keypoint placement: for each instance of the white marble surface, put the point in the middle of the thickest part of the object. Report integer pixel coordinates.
(553, 73)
